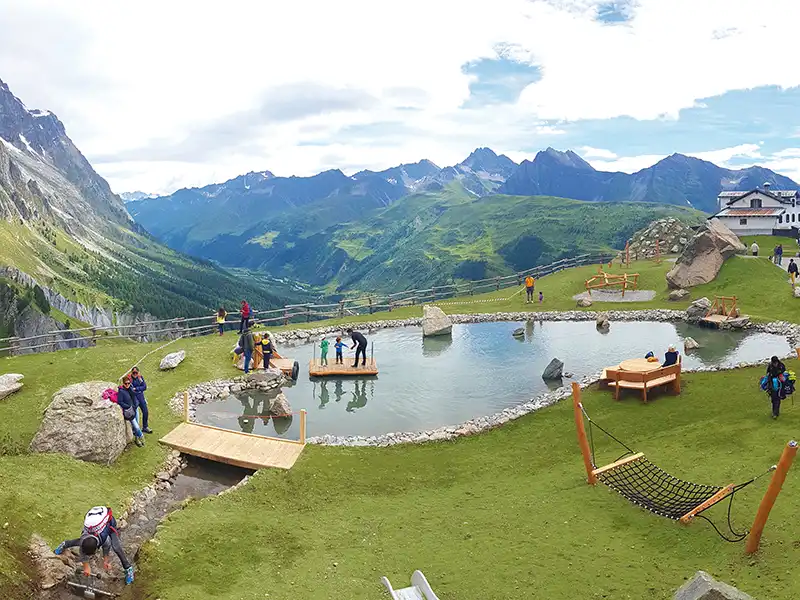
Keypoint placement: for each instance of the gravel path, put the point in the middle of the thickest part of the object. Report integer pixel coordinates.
(606, 296)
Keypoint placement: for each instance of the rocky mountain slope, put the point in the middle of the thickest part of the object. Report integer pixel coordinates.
(677, 179)
(63, 230)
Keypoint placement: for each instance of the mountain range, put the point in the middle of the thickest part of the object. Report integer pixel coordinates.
(419, 224)
(63, 231)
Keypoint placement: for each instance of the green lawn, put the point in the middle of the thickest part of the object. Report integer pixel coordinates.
(491, 516)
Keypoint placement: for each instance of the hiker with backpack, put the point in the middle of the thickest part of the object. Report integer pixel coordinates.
(99, 531)
(127, 402)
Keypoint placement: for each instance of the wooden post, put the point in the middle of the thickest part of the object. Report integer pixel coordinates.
(15, 346)
(391, 304)
(471, 289)
(341, 309)
(370, 305)
(497, 283)
(308, 313)
(185, 407)
(303, 413)
(778, 477)
(583, 442)
(285, 316)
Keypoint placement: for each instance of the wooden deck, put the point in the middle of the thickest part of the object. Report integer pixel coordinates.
(347, 369)
(233, 447)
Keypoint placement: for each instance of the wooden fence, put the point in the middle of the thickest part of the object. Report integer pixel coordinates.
(296, 313)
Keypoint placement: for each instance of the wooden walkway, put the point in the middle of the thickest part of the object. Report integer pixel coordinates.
(233, 447)
(346, 369)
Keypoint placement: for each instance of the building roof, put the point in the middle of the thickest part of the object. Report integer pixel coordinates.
(751, 212)
(779, 194)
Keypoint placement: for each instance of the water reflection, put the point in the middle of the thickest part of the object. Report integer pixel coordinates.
(436, 345)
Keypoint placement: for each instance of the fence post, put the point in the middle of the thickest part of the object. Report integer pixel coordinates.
(497, 283)
(370, 305)
(391, 303)
(93, 341)
(471, 290)
(341, 309)
(53, 342)
(14, 345)
(308, 313)
(303, 413)
(519, 280)
(285, 316)
(185, 407)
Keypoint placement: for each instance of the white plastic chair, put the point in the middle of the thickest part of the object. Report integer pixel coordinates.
(419, 590)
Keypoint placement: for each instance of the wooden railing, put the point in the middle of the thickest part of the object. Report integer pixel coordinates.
(294, 313)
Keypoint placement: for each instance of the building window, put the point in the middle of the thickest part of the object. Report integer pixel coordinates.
(742, 221)
(780, 218)
(792, 217)
(755, 202)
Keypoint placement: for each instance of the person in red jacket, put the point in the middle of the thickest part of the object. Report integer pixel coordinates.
(245, 312)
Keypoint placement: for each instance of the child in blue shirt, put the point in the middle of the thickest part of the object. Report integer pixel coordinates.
(339, 345)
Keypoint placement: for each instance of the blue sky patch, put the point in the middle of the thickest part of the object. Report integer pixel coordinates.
(615, 11)
(498, 80)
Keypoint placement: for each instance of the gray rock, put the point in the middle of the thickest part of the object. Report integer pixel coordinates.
(796, 291)
(698, 309)
(690, 344)
(51, 569)
(554, 370)
(675, 249)
(435, 322)
(584, 303)
(603, 322)
(677, 295)
(705, 587)
(738, 322)
(172, 360)
(80, 423)
(702, 258)
(518, 332)
(279, 406)
(10, 383)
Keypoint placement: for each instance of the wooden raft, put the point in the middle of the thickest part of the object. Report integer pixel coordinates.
(236, 448)
(332, 369)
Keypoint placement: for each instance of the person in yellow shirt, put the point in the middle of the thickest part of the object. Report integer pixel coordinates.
(221, 314)
(530, 282)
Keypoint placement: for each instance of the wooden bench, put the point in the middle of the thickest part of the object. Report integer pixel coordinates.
(619, 379)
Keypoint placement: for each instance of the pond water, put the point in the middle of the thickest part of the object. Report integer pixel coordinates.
(436, 382)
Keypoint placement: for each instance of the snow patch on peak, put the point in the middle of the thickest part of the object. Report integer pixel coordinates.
(40, 113)
(25, 141)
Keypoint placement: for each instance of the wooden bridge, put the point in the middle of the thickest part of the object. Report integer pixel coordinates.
(237, 448)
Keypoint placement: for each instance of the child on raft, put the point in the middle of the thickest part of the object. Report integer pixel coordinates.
(339, 345)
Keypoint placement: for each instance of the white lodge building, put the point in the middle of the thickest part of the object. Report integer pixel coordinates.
(760, 212)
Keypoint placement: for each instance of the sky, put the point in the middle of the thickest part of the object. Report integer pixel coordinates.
(164, 95)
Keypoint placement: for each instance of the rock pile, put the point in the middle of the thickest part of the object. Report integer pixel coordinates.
(671, 234)
(702, 258)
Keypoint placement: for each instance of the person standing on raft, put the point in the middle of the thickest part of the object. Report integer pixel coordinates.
(99, 531)
(360, 344)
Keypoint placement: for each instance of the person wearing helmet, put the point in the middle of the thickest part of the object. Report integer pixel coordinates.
(99, 531)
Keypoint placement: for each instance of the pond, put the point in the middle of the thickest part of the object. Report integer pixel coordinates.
(435, 382)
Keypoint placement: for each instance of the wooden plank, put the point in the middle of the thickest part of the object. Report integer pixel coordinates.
(619, 463)
(332, 369)
(233, 447)
(726, 491)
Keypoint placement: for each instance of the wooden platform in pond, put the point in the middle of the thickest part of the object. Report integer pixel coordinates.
(233, 447)
(715, 320)
(347, 369)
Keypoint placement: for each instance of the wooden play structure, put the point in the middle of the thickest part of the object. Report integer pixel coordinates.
(240, 449)
(287, 366)
(722, 309)
(642, 483)
(420, 589)
(605, 281)
(643, 376)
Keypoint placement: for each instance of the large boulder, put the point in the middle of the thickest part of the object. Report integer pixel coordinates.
(554, 370)
(435, 322)
(10, 383)
(50, 569)
(172, 360)
(698, 309)
(702, 258)
(705, 587)
(279, 406)
(80, 423)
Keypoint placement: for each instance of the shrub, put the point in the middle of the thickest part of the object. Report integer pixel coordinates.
(41, 300)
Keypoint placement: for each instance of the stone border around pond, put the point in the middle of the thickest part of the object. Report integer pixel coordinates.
(481, 424)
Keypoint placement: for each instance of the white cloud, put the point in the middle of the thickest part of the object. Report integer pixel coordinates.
(626, 164)
(589, 153)
(130, 75)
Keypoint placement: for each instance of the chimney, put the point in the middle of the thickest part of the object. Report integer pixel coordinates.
(766, 186)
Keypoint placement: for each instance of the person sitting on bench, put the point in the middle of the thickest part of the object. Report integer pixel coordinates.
(671, 357)
(99, 530)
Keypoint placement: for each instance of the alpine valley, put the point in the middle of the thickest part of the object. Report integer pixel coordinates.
(417, 225)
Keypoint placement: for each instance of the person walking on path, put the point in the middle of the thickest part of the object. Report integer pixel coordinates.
(99, 531)
(221, 315)
(530, 283)
(775, 371)
(792, 268)
(139, 386)
(754, 249)
(247, 344)
(360, 344)
(244, 310)
(127, 402)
